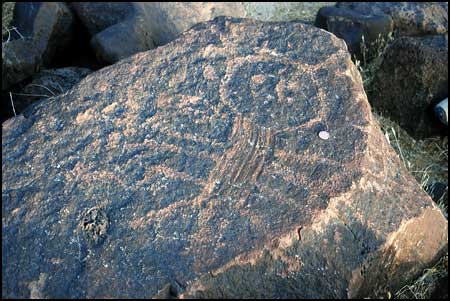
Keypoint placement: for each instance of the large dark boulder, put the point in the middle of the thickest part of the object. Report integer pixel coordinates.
(43, 29)
(196, 170)
(411, 80)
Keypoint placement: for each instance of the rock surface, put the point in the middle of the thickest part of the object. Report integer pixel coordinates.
(411, 80)
(48, 83)
(196, 170)
(45, 28)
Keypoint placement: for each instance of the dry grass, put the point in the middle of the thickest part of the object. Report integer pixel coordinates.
(427, 160)
(372, 57)
(422, 287)
(7, 15)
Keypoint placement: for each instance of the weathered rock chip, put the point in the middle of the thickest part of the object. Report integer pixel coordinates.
(197, 171)
(411, 80)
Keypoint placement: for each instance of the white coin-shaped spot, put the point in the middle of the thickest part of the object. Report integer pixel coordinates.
(324, 135)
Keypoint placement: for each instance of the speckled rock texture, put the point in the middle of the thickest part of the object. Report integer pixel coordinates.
(196, 170)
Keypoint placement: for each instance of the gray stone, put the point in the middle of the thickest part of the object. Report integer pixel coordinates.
(20, 59)
(121, 40)
(45, 29)
(118, 29)
(97, 16)
(203, 164)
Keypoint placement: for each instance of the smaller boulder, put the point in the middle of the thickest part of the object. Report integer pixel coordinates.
(43, 29)
(20, 59)
(412, 79)
(121, 40)
(97, 16)
(352, 26)
(352, 20)
(118, 30)
(410, 18)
